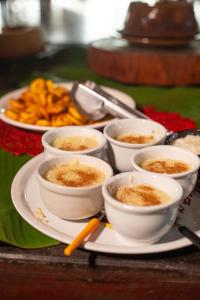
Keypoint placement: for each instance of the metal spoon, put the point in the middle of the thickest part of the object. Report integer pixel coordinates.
(188, 233)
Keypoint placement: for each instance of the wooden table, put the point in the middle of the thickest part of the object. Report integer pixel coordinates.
(47, 274)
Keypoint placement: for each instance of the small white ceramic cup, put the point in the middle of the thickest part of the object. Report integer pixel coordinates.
(65, 131)
(186, 179)
(141, 225)
(72, 203)
(119, 153)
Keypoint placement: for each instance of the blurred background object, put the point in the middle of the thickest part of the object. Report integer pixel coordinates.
(71, 21)
(21, 33)
(20, 13)
(167, 23)
(35, 27)
(159, 45)
(82, 21)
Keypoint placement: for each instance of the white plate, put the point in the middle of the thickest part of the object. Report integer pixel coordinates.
(26, 199)
(4, 103)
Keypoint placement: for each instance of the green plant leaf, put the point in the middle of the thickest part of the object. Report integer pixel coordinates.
(13, 228)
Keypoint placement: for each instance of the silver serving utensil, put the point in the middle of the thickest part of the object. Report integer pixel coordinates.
(188, 233)
(93, 101)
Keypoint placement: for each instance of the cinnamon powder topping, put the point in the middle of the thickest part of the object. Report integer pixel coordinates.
(75, 143)
(135, 139)
(141, 195)
(75, 175)
(167, 166)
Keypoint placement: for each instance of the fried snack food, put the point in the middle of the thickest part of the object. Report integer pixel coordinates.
(45, 104)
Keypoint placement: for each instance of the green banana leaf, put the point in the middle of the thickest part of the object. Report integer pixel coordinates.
(13, 229)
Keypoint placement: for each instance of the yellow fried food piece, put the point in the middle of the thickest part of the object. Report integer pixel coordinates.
(75, 113)
(49, 85)
(45, 104)
(11, 114)
(58, 123)
(74, 120)
(37, 85)
(18, 105)
(42, 122)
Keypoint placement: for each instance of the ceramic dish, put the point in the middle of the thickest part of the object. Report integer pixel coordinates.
(141, 224)
(26, 199)
(48, 138)
(68, 201)
(124, 98)
(181, 134)
(187, 178)
(120, 153)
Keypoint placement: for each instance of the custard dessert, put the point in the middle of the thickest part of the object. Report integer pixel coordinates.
(135, 138)
(190, 142)
(75, 174)
(141, 195)
(165, 166)
(75, 143)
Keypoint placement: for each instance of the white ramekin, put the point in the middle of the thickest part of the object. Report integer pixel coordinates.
(186, 179)
(141, 225)
(119, 153)
(51, 135)
(72, 203)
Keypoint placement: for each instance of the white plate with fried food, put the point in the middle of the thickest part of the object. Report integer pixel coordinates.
(44, 105)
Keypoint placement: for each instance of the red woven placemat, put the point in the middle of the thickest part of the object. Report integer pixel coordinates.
(18, 141)
(172, 121)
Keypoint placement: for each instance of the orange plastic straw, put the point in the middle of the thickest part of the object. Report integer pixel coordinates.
(89, 228)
